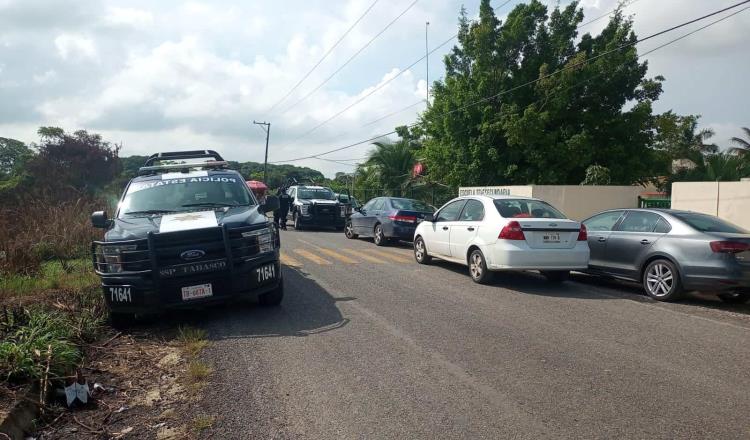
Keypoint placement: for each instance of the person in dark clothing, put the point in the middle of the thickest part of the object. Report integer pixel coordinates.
(279, 217)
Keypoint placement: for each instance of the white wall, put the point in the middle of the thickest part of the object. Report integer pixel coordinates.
(578, 202)
(728, 200)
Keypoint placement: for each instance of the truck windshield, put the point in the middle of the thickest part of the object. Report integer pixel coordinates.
(185, 194)
(316, 193)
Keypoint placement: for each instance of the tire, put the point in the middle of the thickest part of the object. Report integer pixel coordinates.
(420, 252)
(297, 223)
(556, 276)
(272, 298)
(661, 281)
(121, 321)
(349, 231)
(478, 268)
(379, 236)
(735, 297)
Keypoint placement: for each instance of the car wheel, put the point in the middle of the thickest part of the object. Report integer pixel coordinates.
(662, 281)
(556, 276)
(297, 222)
(349, 231)
(420, 252)
(478, 268)
(274, 297)
(121, 321)
(379, 237)
(735, 297)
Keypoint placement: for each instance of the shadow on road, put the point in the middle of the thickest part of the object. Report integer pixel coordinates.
(307, 309)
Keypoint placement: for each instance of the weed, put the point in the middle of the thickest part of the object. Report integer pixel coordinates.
(198, 371)
(193, 340)
(202, 422)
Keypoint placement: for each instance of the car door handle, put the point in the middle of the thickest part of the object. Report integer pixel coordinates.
(445, 228)
(644, 241)
(602, 239)
(470, 228)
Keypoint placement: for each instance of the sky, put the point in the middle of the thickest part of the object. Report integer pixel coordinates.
(172, 75)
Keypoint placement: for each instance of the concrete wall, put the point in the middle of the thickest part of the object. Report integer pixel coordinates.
(576, 201)
(728, 200)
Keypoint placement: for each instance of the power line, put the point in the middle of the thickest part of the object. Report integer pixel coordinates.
(393, 113)
(594, 20)
(385, 83)
(351, 58)
(559, 71)
(325, 55)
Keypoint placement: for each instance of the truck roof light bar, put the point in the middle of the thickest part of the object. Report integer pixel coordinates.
(184, 167)
(182, 155)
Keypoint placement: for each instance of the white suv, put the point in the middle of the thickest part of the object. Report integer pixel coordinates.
(503, 233)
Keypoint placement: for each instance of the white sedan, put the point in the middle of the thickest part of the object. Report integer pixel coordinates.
(495, 233)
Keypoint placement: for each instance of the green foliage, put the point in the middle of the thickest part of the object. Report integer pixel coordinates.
(24, 350)
(13, 157)
(597, 175)
(742, 145)
(597, 110)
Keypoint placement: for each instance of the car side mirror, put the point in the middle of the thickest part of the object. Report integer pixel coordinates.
(271, 204)
(100, 220)
(429, 218)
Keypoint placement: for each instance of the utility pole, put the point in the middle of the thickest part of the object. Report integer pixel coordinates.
(427, 61)
(266, 126)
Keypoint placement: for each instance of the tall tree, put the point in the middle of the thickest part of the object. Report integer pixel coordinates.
(488, 124)
(392, 163)
(13, 156)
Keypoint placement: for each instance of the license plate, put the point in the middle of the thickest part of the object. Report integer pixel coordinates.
(551, 238)
(195, 292)
(265, 273)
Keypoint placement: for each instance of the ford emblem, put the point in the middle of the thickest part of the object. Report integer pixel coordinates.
(192, 254)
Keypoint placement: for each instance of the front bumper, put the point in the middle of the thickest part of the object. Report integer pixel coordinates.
(149, 294)
(323, 221)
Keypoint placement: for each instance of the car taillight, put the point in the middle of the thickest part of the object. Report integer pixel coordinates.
(403, 218)
(512, 231)
(729, 247)
(583, 234)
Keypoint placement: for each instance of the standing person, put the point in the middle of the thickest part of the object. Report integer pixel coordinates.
(284, 202)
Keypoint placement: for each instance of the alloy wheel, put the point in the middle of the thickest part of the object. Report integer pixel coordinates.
(475, 266)
(419, 249)
(659, 280)
(349, 231)
(379, 235)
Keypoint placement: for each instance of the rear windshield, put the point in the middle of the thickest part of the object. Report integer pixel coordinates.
(510, 208)
(708, 223)
(185, 194)
(316, 193)
(411, 205)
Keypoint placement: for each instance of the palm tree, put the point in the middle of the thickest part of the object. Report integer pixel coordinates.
(393, 163)
(699, 142)
(724, 166)
(743, 145)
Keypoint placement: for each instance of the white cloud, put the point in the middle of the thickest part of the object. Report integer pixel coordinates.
(45, 78)
(70, 45)
(129, 17)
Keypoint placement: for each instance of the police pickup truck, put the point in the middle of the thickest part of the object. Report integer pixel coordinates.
(187, 232)
(316, 206)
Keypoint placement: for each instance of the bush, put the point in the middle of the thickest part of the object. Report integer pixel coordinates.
(44, 230)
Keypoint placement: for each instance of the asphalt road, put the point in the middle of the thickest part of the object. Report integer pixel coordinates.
(369, 344)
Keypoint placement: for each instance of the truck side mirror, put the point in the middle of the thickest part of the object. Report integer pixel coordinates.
(100, 220)
(271, 204)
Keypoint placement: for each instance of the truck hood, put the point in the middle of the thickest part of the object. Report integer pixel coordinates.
(138, 227)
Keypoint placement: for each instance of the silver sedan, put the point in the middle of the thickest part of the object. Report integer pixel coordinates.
(671, 252)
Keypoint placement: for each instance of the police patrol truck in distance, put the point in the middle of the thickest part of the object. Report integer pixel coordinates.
(187, 232)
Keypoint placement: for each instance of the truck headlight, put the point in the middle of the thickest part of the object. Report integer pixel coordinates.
(110, 258)
(343, 210)
(304, 209)
(264, 237)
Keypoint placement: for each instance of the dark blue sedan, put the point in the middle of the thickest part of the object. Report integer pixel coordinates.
(387, 219)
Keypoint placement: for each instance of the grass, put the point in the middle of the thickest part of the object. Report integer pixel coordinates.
(53, 275)
(192, 340)
(202, 422)
(198, 371)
